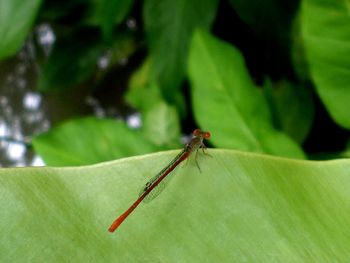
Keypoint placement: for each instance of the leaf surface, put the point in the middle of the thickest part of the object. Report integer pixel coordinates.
(90, 140)
(242, 207)
(169, 27)
(16, 19)
(326, 34)
(228, 103)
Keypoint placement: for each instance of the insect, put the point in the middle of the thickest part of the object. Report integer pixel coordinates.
(154, 186)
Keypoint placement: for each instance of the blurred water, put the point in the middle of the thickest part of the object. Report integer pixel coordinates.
(24, 112)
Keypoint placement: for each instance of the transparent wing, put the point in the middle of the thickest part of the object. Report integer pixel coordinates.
(160, 187)
(156, 190)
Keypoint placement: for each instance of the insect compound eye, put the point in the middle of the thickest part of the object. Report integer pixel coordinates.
(206, 135)
(196, 132)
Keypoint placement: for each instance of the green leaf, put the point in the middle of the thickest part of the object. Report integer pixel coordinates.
(326, 31)
(292, 108)
(169, 27)
(73, 60)
(162, 124)
(16, 20)
(227, 103)
(241, 208)
(90, 140)
(109, 13)
(142, 92)
(161, 121)
(297, 52)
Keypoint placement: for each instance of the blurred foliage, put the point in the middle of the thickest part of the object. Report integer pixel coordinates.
(90, 140)
(326, 34)
(248, 71)
(16, 21)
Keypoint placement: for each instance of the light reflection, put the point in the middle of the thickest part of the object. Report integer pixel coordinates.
(3, 101)
(3, 129)
(22, 113)
(131, 23)
(104, 60)
(37, 161)
(15, 151)
(46, 37)
(31, 100)
(134, 120)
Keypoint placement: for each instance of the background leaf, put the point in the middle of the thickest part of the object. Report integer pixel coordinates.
(109, 13)
(241, 208)
(169, 26)
(292, 108)
(16, 19)
(326, 31)
(227, 102)
(90, 140)
(162, 125)
(62, 71)
(161, 120)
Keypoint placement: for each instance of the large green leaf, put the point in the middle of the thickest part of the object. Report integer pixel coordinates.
(227, 102)
(90, 140)
(241, 208)
(16, 19)
(326, 34)
(169, 27)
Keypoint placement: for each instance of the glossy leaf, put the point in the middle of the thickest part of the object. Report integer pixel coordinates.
(326, 31)
(90, 140)
(241, 208)
(227, 103)
(16, 20)
(169, 27)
